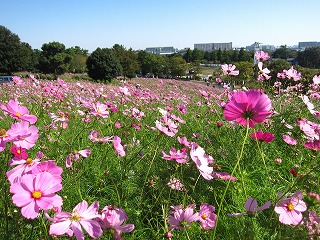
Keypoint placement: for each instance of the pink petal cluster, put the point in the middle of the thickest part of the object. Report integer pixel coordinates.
(22, 135)
(248, 108)
(289, 208)
(18, 112)
(202, 161)
(263, 73)
(175, 184)
(113, 218)
(229, 69)
(176, 155)
(261, 56)
(182, 218)
(75, 156)
(262, 136)
(82, 216)
(118, 146)
(35, 192)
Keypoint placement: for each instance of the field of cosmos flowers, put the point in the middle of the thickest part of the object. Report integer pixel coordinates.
(160, 159)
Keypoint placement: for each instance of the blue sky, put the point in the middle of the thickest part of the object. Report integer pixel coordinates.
(158, 23)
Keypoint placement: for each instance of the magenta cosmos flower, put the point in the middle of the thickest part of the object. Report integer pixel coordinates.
(113, 218)
(34, 193)
(182, 218)
(290, 208)
(289, 140)
(262, 136)
(82, 216)
(229, 69)
(18, 112)
(74, 156)
(248, 108)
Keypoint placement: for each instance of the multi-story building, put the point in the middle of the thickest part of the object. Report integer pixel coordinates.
(213, 46)
(257, 47)
(304, 45)
(161, 50)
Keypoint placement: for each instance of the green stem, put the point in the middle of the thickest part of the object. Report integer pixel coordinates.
(228, 184)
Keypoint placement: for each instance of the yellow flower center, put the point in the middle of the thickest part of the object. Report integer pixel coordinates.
(99, 111)
(36, 194)
(290, 206)
(18, 114)
(75, 216)
(204, 216)
(3, 132)
(18, 151)
(29, 161)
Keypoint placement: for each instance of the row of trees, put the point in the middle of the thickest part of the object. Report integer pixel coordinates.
(107, 63)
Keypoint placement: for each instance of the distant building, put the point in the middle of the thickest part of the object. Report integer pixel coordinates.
(258, 47)
(213, 46)
(304, 45)
(161, 50)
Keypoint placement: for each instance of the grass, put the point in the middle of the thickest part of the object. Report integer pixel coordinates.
(138, 181)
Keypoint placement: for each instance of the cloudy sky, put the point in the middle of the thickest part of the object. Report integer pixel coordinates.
(158, 23)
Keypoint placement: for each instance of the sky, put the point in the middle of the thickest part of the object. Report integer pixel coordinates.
(139, 24)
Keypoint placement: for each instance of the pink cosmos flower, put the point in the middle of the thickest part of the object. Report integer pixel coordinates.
(34, 193)
(22, 135)
(4, 138)
(182, 218)
(278, 160)
(251, 206)
(100, 110)
(125, 91)
(206, 216)
(316, 79)
(113, 218)
(164, 129)
(292, 74)
(17, 80)
(263, 137)
(62, 117)
(261, 56)
(223, 176)
(50, 167)
(314, 145)
(179, 156)
(117, 125)
(82, 216)
(263, 73)
(229, 69)
(289, 140)
(202, 160)
(184, 141)
(18, 112)
(118, 146)
(218, 80)
(94, 137)
(290, 208)
(24, 166)
(248, 108)
(175, 184)
(182, 108)
(137, 114)
(277, 84)
(74, 156)
(62, 83)
(314, 225)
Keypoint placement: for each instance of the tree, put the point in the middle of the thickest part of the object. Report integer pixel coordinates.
(128, 60)
(188, 55)
(103, 64)
(78, 59)
(245, 56)
(310, 57)
(197, 55)
(177, 66)
(284, 53)
(53, 58)
(14, 55)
